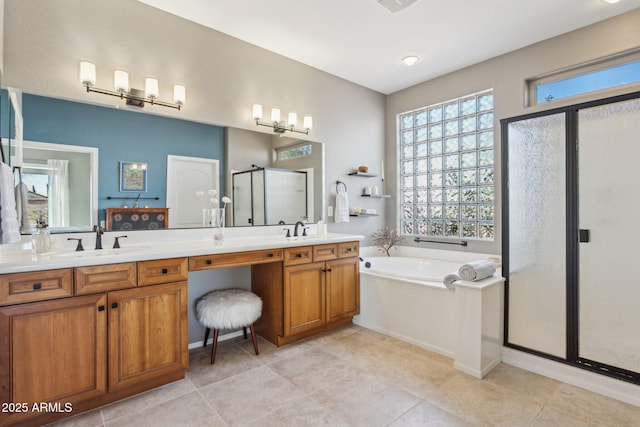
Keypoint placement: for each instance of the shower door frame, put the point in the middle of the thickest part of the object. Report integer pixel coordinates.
(572, 243)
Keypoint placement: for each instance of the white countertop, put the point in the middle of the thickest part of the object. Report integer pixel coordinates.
(150, 245)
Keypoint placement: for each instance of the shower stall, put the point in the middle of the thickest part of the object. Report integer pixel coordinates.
(571, 223)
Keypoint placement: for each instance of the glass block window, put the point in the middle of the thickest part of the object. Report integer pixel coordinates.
(446, 169)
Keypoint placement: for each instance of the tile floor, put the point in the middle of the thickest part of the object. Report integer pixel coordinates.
(354, 377)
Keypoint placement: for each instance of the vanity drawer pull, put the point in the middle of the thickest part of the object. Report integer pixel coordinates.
(114, 305)
(37, 286)
(101, 308)
(299, 255)
(270, 255)
(165, 271)
(209, 262)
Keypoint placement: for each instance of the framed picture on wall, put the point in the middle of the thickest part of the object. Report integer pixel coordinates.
(133, 176)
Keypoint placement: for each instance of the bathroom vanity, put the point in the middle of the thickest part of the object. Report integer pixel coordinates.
(82, 329)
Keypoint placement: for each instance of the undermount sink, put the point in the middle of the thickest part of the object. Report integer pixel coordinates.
(309, 237)
(89, 253)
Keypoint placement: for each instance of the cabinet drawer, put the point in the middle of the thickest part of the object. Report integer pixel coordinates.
(348, 249)
(103, 278)
(35, 286)
(234, 259)
(162, 271)
(325, 252)
(299, 255)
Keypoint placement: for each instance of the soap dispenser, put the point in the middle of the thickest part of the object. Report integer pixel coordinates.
(40, 236)
(321, 227)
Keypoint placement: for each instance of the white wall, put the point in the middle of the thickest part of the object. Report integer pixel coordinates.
(45, 40)
(506, 74)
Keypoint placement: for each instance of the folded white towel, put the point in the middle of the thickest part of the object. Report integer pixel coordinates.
(449, 279)
(342, 207)
(22, 206)
(9, 228)
(477, 270)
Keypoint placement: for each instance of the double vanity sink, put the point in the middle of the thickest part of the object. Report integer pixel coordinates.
(144, 245)
(90, 327)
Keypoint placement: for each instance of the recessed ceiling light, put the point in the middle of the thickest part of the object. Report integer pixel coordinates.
(409, 60)
(611, 1)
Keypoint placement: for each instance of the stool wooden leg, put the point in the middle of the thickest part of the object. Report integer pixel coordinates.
(244, 330)
(215, 345)
(206, 337)
(253, 338)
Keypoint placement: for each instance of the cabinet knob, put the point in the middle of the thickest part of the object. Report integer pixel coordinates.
(101, 308)
(37, 286)
(165, 271)
(208, 262)
(114, 305)
(298, 255)
(270, 256)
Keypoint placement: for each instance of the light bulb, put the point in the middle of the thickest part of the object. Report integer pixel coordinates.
(151, 89)
(121, 81)
(179, 94)
(87, 73)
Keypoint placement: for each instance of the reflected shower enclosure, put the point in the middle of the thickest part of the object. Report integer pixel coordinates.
(269, 196)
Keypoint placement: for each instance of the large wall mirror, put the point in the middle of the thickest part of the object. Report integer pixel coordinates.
(93, 141)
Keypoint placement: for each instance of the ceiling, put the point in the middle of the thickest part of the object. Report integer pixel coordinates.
(361, 41)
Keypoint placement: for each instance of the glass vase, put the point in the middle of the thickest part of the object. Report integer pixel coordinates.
(214, 218)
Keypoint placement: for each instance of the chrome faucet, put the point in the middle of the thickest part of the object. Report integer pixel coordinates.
(304, 229)
(99, 232)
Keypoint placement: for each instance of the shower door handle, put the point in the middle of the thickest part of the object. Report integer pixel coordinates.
(584, 235)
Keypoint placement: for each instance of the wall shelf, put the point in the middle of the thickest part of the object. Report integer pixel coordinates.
(363, 174)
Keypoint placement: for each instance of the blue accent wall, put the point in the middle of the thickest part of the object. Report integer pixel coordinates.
(122, 135)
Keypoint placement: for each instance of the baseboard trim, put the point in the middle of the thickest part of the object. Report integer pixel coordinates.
(220, 339)
(601, 384)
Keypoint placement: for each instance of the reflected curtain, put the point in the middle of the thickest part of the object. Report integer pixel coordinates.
(58, 204)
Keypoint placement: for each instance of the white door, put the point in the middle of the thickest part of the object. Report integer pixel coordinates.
(185, 177)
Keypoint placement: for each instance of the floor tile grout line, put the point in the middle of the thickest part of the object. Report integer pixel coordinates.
(206, 401)
(405, 412)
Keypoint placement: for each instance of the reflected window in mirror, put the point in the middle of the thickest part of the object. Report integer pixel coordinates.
(61, 185)
(288, 153)
(36, 179)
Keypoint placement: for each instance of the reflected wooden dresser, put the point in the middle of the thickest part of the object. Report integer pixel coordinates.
(136, 218)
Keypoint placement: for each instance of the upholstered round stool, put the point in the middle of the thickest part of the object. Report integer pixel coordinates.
(228, 309)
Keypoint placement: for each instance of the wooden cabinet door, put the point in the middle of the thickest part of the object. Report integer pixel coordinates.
(147, 333)
(53, 351)
(304, 297)
(343, 288)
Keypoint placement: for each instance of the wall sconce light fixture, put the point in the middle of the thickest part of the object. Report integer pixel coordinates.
(278, 125)
(133, 96)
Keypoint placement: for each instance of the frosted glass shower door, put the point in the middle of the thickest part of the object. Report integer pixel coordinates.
(609, 206)
(537, 243)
